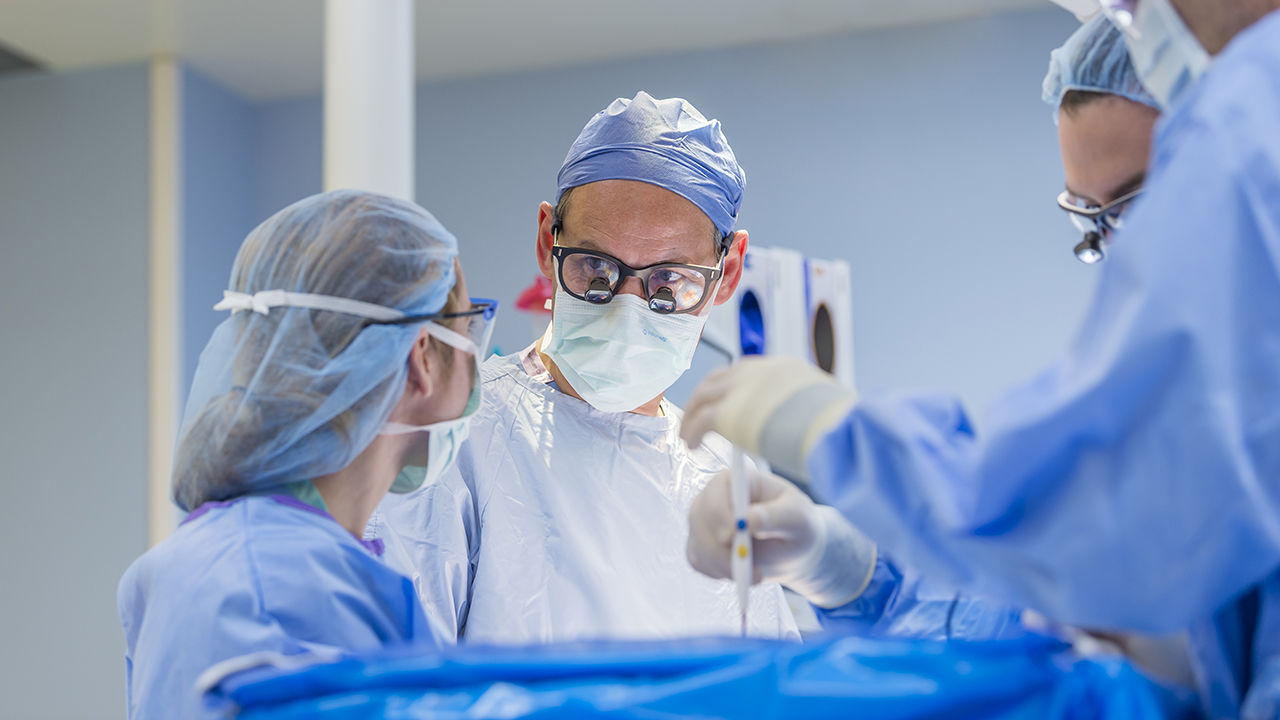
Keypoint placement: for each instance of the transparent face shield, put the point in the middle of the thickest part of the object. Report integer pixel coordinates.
(471, 337)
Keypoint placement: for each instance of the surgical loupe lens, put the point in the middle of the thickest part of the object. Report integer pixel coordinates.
(685, 287)
(663, 301)
(598, 291)
(589, 276)
(1089, 251)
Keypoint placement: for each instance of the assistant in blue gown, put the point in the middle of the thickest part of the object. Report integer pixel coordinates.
(255, 574)
(1136, 482)
(297, 384)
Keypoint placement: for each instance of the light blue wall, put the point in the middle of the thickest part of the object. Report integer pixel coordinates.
(290, 148)
(923, 156)
(219, 201)
(73, 391)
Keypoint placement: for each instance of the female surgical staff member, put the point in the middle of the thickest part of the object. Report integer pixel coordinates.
(1132, 484)
(346, 369)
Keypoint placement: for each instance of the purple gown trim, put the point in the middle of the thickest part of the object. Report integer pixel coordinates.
(374, 546)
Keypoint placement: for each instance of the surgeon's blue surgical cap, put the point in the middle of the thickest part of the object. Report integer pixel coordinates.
(1094, 59)
(667, 143)
(287, 394)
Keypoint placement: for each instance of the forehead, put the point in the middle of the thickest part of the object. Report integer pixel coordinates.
(639, 223)
(1104, 144)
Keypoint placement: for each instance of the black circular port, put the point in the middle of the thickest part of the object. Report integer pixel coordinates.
(824, 340)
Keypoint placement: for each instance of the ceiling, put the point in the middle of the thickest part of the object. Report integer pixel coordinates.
(272, 48)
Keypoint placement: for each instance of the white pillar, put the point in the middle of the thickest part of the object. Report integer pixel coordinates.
(164, 321)
(368, 96)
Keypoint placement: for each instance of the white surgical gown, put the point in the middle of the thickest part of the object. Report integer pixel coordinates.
(562, 522)
(1136, 482)
(249, 575)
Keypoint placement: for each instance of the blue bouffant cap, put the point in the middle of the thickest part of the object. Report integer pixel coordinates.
(1095, 59)
(667, 143)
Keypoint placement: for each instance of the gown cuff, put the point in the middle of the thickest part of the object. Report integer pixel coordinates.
(799, 422)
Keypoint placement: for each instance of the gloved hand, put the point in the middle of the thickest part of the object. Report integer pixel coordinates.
(775, 407)
(807, 547)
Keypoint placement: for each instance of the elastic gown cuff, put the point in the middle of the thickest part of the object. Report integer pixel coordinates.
(864, 611)
(799, 422)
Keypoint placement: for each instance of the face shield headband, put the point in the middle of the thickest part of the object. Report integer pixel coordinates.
(475, 341)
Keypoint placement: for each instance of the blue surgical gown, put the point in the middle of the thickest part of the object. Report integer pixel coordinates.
(1135, 483)
(901, 603)
(248, 575)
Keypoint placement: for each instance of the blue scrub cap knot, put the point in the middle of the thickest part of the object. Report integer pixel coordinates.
(1094, 59)
(667, 143)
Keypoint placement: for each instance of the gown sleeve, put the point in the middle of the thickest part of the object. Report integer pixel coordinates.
(864, 611)
(1136, 482)
(901, 603)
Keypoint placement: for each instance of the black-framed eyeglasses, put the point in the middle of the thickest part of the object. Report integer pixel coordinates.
(1097, 223)
(669, 288)
(478, 329)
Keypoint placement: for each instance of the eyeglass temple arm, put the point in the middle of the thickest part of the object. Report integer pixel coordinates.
(1092, 213)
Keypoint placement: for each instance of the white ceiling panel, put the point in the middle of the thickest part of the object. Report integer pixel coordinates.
(272, 48)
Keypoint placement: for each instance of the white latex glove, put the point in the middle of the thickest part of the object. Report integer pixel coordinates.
(775, 407)
(807, 547)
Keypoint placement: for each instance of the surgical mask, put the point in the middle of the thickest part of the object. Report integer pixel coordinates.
(1165, 53)
(620, 355)
(444, 441)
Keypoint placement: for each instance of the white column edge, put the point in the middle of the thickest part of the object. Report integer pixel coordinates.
(368, 98)
(164, 292)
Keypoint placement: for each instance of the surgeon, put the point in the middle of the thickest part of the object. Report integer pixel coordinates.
(1135, 483)
(572, 494)
(346, 369)
(566, 515)
(1105, 119)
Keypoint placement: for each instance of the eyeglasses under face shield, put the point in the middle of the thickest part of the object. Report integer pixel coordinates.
(669, 288)
(1097, 223)
(471, 335)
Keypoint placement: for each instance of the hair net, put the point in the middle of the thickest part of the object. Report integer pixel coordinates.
(1094, 59)
(292, 393)
(667, 143)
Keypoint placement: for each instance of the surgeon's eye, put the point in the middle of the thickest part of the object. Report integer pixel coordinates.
(599, 267)
(666, 277)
